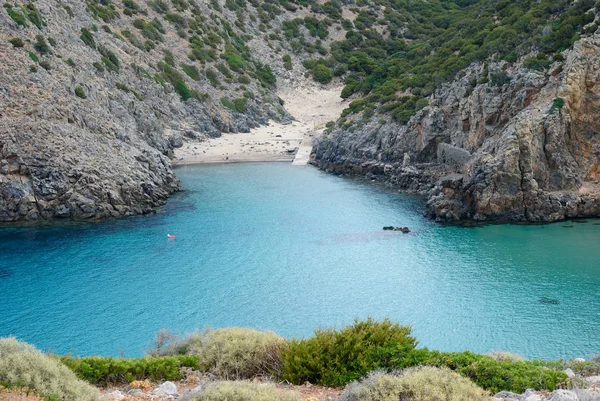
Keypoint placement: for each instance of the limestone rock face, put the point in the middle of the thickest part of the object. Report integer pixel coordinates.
(527, 150)
(78, 140)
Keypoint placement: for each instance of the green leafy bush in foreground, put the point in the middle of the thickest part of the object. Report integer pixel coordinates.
(23, 365)
(415, 384)
(102, 371)
(241, 391)
(229, 353)
(337, 357)
(490, 373)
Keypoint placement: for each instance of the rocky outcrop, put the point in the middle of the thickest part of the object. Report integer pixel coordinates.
(79, 140)
(524, 150)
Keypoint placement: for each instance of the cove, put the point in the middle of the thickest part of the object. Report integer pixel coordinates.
(290, 249)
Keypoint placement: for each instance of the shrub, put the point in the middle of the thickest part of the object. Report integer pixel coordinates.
(16, 42)
(240, 391)
(16, 16)
(500, 78)
(45, 64)
(23, 365)
(191, 71)
(40, 45)
(557, 104)
(322, 74)
(87, 37)
(415, 384)
(227, 103)
(34, 57)
(79, 92)
(237, 352)
(110, 59)
(70, 62)
(241, 104)
(335, 358)
(229, 353)
(491, 374)
(103, 371)
(211, 75)
(98, 66)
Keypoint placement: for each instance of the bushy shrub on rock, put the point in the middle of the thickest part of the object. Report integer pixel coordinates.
(23, 365)
(240, 391)
(415, 384)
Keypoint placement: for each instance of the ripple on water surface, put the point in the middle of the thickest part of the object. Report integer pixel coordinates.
(290, 249)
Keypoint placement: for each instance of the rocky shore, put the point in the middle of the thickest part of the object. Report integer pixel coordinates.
(524, 149)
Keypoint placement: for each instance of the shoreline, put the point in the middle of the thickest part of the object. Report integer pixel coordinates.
(311, 106)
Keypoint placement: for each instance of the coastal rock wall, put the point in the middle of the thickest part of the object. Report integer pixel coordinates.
(532, 141)
(87, 130)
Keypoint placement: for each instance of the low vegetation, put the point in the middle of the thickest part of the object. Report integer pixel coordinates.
(104, 371)
(229, 353)
(22, 365)
(415, 384)
(241, 391)
(332, 357)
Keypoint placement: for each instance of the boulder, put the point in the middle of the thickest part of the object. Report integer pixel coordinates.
(114, 395)
(563, 395)
(167, 388)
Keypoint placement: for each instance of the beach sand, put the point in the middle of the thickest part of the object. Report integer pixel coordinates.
(311, 106)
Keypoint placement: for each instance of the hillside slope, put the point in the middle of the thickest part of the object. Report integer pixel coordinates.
(511, 136)
(96, 94)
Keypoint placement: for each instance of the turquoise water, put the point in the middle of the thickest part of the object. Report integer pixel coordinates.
(291, 249)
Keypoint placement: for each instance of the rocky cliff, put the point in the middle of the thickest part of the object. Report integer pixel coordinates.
(500, 142)
(94, 96)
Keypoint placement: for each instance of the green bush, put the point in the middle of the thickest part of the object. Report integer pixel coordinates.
(191, 71)
(415, 384)
(337, 357)
(322, 74)
(241, 104)
(241, 391)
(16, 16)
(103, 371)
(40, 45)
(16, 42)
(87, 37)
(23, 365)
(227, 103)
(557, 104)
(490, 373)
(79, 92)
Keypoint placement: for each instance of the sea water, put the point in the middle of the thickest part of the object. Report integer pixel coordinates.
(291, 249)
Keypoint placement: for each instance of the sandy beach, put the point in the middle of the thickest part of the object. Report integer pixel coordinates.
(311, 106)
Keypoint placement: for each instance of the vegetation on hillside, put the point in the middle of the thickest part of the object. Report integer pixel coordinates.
(22, 365)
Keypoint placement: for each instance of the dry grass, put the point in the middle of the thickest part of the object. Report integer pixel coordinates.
(241, 391)
(23, 365)
(415, 384)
